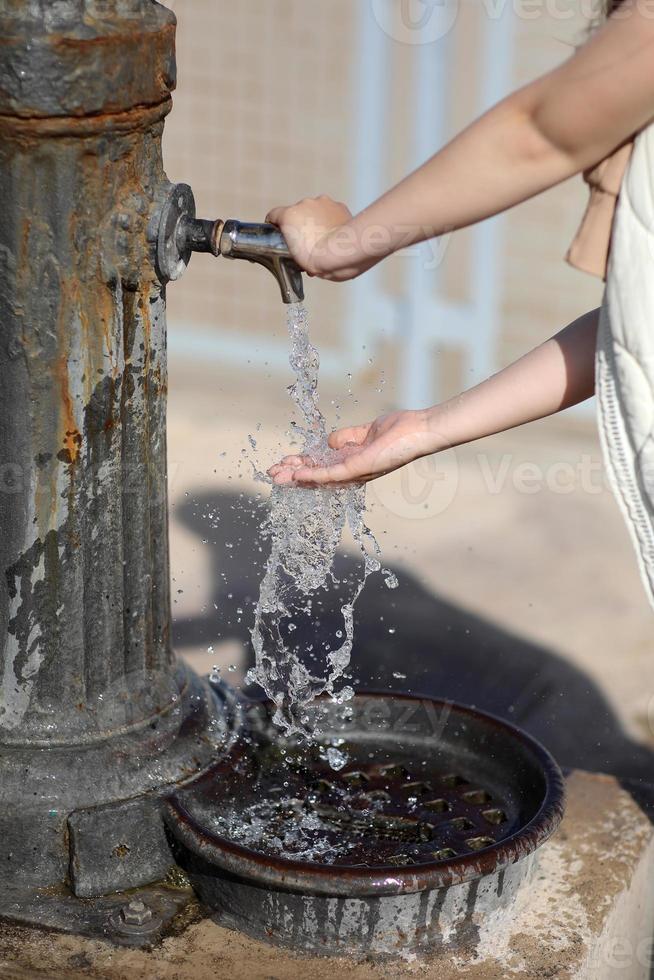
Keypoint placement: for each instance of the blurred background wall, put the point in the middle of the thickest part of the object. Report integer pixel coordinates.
(279, 99)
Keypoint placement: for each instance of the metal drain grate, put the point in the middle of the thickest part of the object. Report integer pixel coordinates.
(287, 802)
(441, 818)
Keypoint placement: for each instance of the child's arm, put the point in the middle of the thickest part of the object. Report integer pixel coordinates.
(542, 134)
(554, 376)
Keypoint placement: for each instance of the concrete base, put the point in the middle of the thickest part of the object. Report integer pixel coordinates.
(589, 915)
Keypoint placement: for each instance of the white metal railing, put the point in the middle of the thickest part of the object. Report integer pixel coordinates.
(423, 318)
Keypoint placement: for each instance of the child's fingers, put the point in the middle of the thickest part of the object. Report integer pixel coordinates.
(295, 459)
(289, 462)
(319, 475)
(354, 435)
(274, 217)
(282, 476)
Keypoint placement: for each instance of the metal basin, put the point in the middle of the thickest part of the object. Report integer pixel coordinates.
(432, 824)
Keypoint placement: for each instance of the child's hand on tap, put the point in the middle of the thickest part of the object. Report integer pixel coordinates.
(320, 238)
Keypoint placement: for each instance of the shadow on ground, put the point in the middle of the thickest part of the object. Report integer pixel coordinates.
(441, 649)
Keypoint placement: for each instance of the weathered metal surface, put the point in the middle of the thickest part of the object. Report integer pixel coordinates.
(120, 845)
(358, 901)
(389, 925)
(94, 708)
(85, 598)
(77, 57)
(46, 785)
(171, 906)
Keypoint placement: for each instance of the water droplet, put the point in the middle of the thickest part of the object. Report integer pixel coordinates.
(336, 758)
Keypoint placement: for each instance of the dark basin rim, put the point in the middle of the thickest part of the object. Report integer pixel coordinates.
(312, 878)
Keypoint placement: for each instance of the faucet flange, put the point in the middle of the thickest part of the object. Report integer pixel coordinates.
(180, 234)
(173, 248)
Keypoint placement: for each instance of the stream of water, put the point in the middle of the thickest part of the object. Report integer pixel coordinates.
(300, 651)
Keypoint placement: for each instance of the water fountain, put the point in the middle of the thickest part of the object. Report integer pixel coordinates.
(111, 750)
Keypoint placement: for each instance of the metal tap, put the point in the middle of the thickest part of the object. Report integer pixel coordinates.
(266, 245)
(181, 233)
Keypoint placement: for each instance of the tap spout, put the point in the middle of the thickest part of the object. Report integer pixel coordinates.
(265, 244)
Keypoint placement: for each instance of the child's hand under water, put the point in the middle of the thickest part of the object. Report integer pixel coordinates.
(554, 376)
(366, 452)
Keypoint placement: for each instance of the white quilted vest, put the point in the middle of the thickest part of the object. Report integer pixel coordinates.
(625, 355)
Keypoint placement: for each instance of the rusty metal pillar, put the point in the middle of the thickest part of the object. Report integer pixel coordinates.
(96, 715)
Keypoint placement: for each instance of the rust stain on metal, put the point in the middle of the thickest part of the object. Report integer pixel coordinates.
(72, 437)
(55, 126)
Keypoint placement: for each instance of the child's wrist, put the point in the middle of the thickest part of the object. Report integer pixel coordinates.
(437, 428)
(351, 249)
(337, 251)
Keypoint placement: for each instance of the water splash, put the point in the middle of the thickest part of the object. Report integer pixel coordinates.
(284, 827)
(305, 527)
